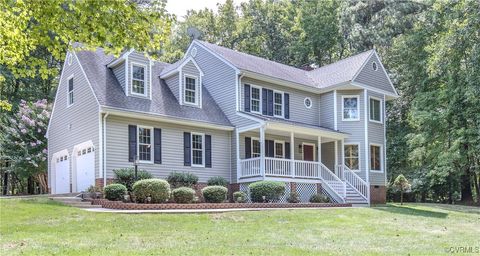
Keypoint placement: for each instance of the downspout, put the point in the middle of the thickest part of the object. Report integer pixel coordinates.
(104, 147)
(238, 93)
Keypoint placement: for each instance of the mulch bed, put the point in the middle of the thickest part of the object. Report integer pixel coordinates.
(167, 206)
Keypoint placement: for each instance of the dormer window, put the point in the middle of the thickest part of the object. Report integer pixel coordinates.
(138, 79)
(190, 90)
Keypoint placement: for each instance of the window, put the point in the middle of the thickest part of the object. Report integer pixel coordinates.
(307, 102)
(138, 79)
(255, 147)
(145, 144)
(351, 108)
(375, 110)
(190, 90)
(374, 66)
(351, 156)
(70, 91)
(255, 99)
(375, 158)
(197, 149)
(278, 104)
(279, 149)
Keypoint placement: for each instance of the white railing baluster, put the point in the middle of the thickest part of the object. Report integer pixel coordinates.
(355, 182)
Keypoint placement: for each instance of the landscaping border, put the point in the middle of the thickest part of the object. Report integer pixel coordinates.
(134, 206)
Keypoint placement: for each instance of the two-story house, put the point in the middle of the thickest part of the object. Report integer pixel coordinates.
(219, 112)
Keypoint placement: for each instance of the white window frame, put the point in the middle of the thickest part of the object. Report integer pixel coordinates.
(314, 150)
(68, 90)
(275, 142)
(197, 89)
(370, 157)
(380, 109)
(260, 100)
(283, 103)
(305, 102)
(151, 144)
(359, 155)
(144, 79)
(203, 149)
(251, 146)
(343, 107)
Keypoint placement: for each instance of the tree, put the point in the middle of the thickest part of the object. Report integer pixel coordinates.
(401, 183)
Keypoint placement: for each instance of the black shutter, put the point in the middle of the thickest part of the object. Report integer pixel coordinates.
(186, 149)
(248, 147)
(208, 151)
(246, 102)
(132, 142)
(271, 148)
(264, 101)
(286, 98)
(157, 145)
(287, 150)
(270, 103)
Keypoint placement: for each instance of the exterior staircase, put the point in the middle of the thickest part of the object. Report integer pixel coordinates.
(345, 186)
(353, 197)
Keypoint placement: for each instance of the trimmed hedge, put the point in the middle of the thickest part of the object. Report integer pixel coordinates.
(293, 198)
(239, 197)
(319, 198)
(182, 179)
(126, 176)
(183, 195)
(157, 189)
(217, 181)
(272, 190)
(214, 194)
(115, 192)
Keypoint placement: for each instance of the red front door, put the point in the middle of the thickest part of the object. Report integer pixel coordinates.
(308, 152)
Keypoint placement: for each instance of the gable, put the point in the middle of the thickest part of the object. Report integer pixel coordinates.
(377, 79)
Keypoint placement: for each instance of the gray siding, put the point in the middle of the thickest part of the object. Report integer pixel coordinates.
(298, 111)
(138, 58)
(189, 69)
(376, 79)
(119, 72)
(328, 155)
(172, 83)
(326, 110)
(78, 123)
(172, 149)
(376, 135)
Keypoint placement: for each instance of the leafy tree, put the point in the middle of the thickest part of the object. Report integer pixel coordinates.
(402, 184)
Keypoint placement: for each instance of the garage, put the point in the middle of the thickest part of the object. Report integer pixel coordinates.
(61, 167)
(84, 171)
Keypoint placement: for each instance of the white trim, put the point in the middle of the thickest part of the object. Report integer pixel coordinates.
(260, 100)
(104, 147)
(305, 130)
(283, 103)
(203, 149)
(120, 59)
(68, 90)
(214, 54)
(56, 97)
(248, 128)
(237, 151)
(358, 108)
(275, 148)
(80, 147)
(385, 140)
(303, 150)
(374, 66)
(152, 139)
(178, 69)
(144, 79)
(86, 78)
(150, 64)
(197, 91)
(100, 146)
(381, 109)
(251, 146)
(370, 158)
(53, 169)
(305, 102)
(335, 112)
(255, 119)
(363, 66)
(359, 155)
(367, 173)
(385, 72)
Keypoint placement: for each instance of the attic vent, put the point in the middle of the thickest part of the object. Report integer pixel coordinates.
(374, 66)
(69, 59)
(194, 52)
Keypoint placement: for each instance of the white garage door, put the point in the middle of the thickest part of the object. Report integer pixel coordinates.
(62, 174)
(85, 170)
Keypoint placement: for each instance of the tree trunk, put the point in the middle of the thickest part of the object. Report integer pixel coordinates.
(466, 185)
(476, 185)
(401, 197)
(42, 181)
(5, 184)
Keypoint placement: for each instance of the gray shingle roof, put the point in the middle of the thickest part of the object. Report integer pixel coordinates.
(335, 73)
(109, 92)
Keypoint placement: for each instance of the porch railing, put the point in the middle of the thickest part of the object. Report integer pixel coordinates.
(306, 169)
(352, 179)
(278, 166)
(250, 167)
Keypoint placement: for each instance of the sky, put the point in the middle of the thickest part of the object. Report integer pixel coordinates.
(180, 7)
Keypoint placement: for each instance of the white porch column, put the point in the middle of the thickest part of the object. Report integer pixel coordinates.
(237, 152)
(319, 154)
(292, 153)
(262, 151)
(336, 155)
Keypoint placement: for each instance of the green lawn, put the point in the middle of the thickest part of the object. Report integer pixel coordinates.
(39, 226)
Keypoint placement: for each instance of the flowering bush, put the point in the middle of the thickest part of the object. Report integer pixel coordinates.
(25, 142)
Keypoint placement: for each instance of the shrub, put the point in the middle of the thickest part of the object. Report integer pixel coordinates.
(239, 197)
(182, 179)
(94, 191)
(157, 189)
(183, 195)
(115, 192)
(126, 176)
(272, 190)
(293, 198)
(319, 198)
(214, 194)
(217, 181)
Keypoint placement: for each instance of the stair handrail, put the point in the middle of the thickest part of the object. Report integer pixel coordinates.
(357, 183)
(335, 178)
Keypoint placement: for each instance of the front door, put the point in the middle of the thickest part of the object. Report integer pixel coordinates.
(308, 154)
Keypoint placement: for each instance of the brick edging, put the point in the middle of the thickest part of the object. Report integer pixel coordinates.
(133, 206)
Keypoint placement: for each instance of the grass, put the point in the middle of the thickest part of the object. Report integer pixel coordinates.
(43, 227)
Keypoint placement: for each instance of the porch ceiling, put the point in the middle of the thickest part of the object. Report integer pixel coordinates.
(307, 133)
